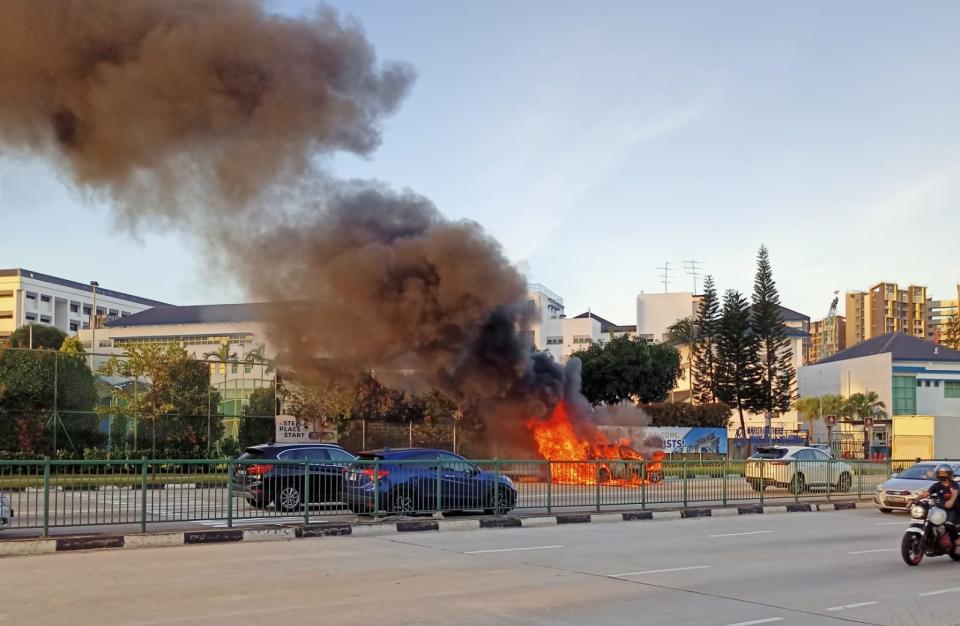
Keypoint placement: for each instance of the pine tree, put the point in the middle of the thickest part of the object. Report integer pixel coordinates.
(705, 348)
(736, 364)
(774, 392)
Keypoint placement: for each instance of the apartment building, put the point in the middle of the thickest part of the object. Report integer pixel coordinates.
(885, 308)
(28, 297)
(938, 313)
(826, 339)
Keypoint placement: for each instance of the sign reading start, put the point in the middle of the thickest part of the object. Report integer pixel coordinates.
(292, 430)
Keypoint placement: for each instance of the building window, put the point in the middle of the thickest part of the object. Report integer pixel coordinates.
(936, 383)
(86, 326)
(554, 341)
(73, 327)
(113, 314)
(31, 317)
(30, 296)
(582, 339)
(105, 343)
(125, 314)
(951, 389)
(904, 395)
(247, 368)
(86, 309)
(6, 315)
(74, 307)
(101, 311)
(233, 368)
(45, 319)
(6, 294)
(85, 344)
(44, 298)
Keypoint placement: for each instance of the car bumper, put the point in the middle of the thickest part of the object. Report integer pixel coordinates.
(896, 503)
(248, 490)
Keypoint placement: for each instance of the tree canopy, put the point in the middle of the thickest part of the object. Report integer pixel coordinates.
(44, 337)
(627, 368)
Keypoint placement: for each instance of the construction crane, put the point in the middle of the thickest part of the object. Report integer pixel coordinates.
(829, 326)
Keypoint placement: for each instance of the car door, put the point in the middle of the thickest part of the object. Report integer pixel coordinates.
(829, 473)
(324, 477)
(458, 481)
(340, 460)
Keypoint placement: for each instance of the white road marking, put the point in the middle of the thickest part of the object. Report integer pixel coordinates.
(938, 592)
(849, 606)
(659, 571)
(892, 523)
(755, 532)
(768, 620)
(512, 549)
(871, 551)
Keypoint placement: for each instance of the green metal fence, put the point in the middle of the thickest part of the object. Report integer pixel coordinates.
(47, 494)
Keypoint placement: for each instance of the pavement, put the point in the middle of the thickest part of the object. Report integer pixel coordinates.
(805, 568)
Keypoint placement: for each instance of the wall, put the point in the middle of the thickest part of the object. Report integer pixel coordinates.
(913, 436)
(657, 311)
(567, 331)
(946, 437)
(847, 377)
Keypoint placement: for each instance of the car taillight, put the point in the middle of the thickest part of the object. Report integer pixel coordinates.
(779, 463)
(375, 474)
(259, 470)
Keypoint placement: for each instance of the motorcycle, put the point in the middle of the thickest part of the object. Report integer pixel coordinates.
(927, 534)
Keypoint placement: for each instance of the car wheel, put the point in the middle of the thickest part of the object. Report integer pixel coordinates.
(886, 510)
(603, 475)
(257, 503)
(799, 484)
(845, 482)
(500, 501)
(289, 499)
(403, 502)
(655, 477)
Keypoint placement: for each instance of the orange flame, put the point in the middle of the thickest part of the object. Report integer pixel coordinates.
(589, 457)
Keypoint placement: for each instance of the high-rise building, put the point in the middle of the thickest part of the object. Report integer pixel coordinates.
(938, 314)
(886, 308)
(825, 341)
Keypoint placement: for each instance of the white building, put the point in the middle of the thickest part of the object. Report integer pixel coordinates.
(657, 311)
(549, 306)
(28, 297)
(563, 337)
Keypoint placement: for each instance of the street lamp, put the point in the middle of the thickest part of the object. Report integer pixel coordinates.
(93, 322)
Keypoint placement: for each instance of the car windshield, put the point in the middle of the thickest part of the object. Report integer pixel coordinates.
(769, 453)
(251, 453)
(919, 472)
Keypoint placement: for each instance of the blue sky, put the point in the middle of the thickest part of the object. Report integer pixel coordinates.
(597, 140)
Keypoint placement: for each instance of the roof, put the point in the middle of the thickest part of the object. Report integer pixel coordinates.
(63, 282)
(789, 315)
(902, 347)
(606, 326)
(196, 314)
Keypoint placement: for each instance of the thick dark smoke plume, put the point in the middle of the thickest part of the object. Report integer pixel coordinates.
(209, 116)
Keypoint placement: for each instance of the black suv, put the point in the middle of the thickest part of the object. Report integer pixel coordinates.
(262, 482)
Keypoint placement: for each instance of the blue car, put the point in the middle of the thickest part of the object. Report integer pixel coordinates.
(410, 480)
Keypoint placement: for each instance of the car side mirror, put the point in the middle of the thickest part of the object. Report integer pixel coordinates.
(893, 475)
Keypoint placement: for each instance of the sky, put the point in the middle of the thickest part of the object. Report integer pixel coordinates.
(598, 140)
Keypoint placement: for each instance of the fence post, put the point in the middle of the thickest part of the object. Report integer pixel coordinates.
(229, 493)
(549, 487)
(496, 487)
(376, 487)
(860, 481)
(684, 462)
(761, 484)
(643, 482)
(46, 496)
(829, 477)
(306, 491)
(439, 487)
(725, 472)
(597, 476)
(143, 494)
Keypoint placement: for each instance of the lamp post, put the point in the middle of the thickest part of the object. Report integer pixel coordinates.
(93, 322)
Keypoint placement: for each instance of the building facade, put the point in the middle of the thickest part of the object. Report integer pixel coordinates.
(885, 308)
(657, 311)
(549, 307)
(827, 337)
(28, 297)
(938, 313)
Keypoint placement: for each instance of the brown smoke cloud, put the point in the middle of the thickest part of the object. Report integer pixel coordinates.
(208, 116)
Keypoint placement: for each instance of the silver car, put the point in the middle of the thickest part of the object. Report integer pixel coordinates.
(898, 493)
(6, 513)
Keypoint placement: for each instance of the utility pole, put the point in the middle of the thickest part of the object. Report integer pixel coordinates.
(692, 268)
(93, 322)
(667, 276)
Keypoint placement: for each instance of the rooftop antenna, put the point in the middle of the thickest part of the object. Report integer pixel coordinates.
(666, 276)
(692, 269)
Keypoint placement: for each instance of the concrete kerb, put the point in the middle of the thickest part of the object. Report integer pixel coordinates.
(24, 547)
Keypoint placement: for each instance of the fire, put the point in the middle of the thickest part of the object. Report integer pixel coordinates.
(586, 457)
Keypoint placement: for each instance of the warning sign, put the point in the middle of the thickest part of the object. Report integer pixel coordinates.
(289, 429)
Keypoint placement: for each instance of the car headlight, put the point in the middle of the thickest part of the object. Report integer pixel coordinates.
(918, 512)
(879, 488)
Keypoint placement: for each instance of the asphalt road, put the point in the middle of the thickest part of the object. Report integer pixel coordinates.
(817, 568)
(83, 511)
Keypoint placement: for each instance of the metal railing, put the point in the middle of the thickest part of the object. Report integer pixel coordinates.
(47, 494)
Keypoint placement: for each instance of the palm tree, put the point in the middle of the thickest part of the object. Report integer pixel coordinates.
(222, 355)
(683, 334)
(860, 406)
(816, 408)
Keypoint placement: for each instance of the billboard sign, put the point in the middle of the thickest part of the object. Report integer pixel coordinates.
(292, 430)
(670, 439)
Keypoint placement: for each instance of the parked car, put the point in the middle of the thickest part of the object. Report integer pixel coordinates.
(798, 468)
(898, 493)
(825, 448)
(6, 513)
(263, 483)
(409, 480)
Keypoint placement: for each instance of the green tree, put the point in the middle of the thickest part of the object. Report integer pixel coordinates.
(222, 355)
(258, 424)
(862, 405)
(705, 349)
(72, 345)
(626, 368)
(774, 390)
(682, 335)
(44, 337)
(736, 366)
(950, 336)
(814, 408)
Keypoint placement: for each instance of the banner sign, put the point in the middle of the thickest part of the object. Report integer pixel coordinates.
(669, 439)
(291, 430)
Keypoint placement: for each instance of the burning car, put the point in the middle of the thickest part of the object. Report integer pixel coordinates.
(621, 462)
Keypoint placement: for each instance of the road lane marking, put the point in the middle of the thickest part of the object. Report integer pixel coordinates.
(659, 571)
(856, 605)
(938, 592)
(871, 551)
(768, 620)
(755, 532)
(892, 523)
(512, 549)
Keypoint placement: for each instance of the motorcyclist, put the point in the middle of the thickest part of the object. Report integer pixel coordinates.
(947, 490)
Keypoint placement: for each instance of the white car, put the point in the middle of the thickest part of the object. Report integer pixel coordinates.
(6, 513)
(797, 468)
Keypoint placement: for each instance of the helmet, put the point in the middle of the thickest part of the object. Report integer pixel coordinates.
(944, 471)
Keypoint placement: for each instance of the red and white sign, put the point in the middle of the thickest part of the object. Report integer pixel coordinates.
(292, 430)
